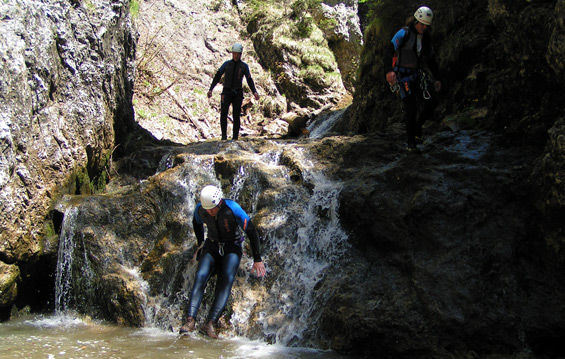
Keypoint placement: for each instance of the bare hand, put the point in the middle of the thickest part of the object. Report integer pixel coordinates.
(259, 269)
(391, 77)
(437, 86)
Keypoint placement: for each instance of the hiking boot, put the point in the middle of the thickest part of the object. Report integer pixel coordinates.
(188, 326)
(209, 330)
(411, 148)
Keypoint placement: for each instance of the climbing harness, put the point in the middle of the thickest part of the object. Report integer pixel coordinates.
(405, 89)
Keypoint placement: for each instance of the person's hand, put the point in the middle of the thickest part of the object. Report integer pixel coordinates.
(437, 86)
(259, 269)
(391, 77)
(209, 94)
(256, 96)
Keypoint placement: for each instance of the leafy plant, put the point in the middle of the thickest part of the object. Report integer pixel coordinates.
(134, 8)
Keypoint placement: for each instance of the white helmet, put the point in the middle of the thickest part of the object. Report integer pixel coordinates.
(424, 15)
(210, 197)
(237, 48)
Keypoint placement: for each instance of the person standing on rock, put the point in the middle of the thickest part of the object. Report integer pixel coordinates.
(406, 58)
(232, 94)
(222, 251)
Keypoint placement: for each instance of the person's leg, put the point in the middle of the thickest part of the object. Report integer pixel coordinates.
(410, 108)
(224, 109)
(226, 277)
(428, 109)
(205, 267)
(203, 272)
(236, 110)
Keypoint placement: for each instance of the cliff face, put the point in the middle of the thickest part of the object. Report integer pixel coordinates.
(502, 71)
(66, 87)
(502, 57)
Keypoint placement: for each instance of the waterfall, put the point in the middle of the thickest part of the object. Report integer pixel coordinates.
(303, 240)
(314, 242)
(322, 125)
(294, 205)
(63, 281)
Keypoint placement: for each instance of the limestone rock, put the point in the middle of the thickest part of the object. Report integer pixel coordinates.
(66, 94)
(9, 278)
(556, 47)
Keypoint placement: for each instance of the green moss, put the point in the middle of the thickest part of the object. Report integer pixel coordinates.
(134, 8)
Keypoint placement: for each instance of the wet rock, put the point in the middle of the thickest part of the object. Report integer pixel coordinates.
(444, 243)
(343, 31)
(66, 96)
(124, 298)
(556, 49)
(9, 278)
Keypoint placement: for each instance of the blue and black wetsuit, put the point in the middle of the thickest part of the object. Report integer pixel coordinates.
(414, 54)
(232, 93)
(222, 250)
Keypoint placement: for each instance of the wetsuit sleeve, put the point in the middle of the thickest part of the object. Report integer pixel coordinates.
(255, 242)
(392, 47)
(198, 225)
(218, 75)
(250, 81)
(245, 223)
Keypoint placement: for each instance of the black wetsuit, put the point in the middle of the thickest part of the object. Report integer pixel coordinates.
(222, 250)
(232, 93)
(410, 71)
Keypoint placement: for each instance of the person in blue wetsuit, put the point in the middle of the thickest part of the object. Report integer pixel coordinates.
(232, 94)
(406, 59)
(222, 250)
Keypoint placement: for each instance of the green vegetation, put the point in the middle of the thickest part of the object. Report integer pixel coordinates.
(89, 5)
(294, 36)
(134, 8)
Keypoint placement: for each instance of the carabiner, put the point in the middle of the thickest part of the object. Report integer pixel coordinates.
(427, 94)
(221, 248)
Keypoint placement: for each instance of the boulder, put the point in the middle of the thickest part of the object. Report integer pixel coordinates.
(9, 278)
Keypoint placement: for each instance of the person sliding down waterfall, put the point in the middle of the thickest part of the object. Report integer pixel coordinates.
(221, 250)
(405, 57)
(232, 93)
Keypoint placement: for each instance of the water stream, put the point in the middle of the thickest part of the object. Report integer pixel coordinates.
(61, 336)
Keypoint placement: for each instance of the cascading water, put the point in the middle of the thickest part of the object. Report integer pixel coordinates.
(308, 240)
(63, 281)
(295, 207)
(302, 235)
(322, 125)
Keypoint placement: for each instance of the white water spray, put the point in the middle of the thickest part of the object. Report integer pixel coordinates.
(304, 241)
(63, 283)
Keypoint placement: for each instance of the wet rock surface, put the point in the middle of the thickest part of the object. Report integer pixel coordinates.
(447, 254)
(449, 258)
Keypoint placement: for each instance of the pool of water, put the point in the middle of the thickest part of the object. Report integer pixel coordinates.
(53, 337)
